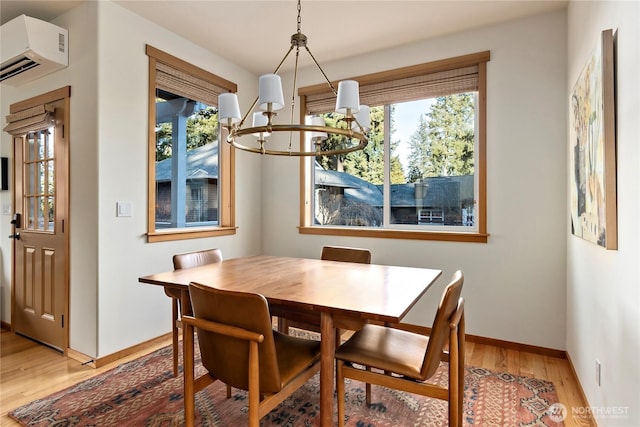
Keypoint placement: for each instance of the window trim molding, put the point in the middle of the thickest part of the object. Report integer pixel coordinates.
(226, 165)
(481, 235)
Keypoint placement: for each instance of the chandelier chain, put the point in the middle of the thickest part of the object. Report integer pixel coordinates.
(299, 18)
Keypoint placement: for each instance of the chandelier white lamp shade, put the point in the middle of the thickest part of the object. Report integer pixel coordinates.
(228, 109)
(362, 119)
(271, 99)
(348, 100)
(259, 120)
(317, 137)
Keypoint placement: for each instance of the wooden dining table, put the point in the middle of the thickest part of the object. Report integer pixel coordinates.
(337, 290)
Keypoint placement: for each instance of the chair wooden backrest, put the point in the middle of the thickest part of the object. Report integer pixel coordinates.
(196, 258)
(239, 347)
(440, 329)
(225, 357)
(346, 254)
(180, 261)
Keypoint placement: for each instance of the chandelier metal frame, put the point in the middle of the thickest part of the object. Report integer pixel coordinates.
(236, 130)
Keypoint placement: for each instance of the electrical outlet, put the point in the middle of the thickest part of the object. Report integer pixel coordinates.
(598, 373)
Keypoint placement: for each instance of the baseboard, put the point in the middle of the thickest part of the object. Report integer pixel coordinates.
(6, 326)
(509, 345)
(113, 357)
(580, 389)
(81, 357)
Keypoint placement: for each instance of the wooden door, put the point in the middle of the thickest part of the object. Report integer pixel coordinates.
(40, 282)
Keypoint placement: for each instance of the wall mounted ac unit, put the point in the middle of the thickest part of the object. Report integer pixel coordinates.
(31, 48)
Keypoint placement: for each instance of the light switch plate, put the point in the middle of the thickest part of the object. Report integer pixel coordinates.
(124, 209)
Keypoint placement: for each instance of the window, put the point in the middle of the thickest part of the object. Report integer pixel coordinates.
(422, 175)
(190, 173)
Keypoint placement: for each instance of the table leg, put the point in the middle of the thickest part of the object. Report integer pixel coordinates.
(327, 368)
(185, 301)
(188, 367)
(187, 362)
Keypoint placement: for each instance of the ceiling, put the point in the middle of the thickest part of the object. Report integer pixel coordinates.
(256, 34)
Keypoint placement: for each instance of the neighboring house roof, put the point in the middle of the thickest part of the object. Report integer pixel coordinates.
(355, 188)
(338, 179)
(202, 162)
(440, 191)
(403, 195)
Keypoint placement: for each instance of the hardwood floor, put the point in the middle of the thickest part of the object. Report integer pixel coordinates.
(29, 371)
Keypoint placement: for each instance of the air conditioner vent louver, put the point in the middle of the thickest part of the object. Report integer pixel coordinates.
(17, 67)
(30, 49)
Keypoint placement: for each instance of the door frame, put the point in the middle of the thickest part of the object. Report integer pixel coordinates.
(61, 94)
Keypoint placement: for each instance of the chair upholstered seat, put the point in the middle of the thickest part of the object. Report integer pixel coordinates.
(388, 349)
(294, 355)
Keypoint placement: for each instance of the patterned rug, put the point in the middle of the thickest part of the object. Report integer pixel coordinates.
(143, 392)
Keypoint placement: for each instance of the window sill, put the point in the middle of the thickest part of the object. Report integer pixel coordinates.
(397, 234)
(183, 234)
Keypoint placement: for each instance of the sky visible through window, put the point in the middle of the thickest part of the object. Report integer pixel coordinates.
(407, 117)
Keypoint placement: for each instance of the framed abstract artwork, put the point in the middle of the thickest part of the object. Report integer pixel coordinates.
(593, 149)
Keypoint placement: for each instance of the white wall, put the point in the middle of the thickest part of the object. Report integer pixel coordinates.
(515, 284)
(131, 312)
(603, 297)
(108, 74)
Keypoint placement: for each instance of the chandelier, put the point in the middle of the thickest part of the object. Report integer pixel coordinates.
(271, 99)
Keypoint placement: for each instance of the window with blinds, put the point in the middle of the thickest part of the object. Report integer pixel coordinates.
(422, 174)
(186, 157)
(30, 120)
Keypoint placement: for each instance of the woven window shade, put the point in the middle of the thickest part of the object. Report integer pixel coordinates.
(187, 85)
(30, 120)
(406, 89)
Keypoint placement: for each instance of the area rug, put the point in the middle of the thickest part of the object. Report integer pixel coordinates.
(144, 392)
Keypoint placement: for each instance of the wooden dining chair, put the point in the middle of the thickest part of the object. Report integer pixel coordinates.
(310, 321)
(346, 254)
(239, 347)
(180, 261)
(406, 360)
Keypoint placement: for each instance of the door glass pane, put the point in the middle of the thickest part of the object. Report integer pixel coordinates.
(41, 176)
(50, 148)
(31, 212)
(31, 147)
(50, 177)
(49, 213)
(39, 225)
(31, 173)
(39, 181)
